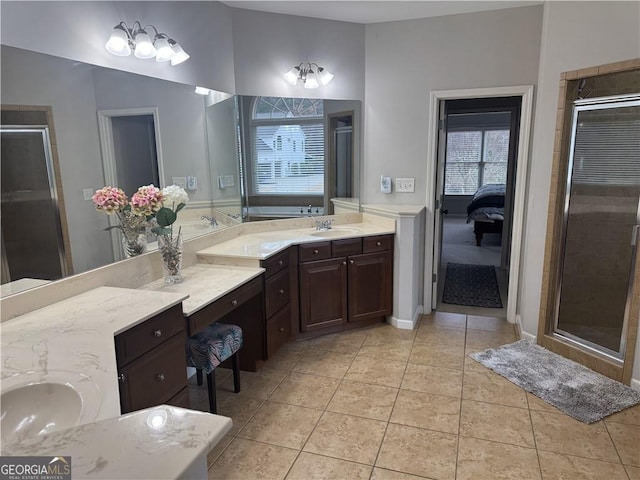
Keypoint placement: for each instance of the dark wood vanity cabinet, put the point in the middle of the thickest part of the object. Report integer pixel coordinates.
(151, 362)
(277, 300)
(345, 283)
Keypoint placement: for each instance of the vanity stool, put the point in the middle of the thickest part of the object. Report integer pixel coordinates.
(209, 348)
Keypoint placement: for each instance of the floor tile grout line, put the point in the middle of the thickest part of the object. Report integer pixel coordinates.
(464, 347)
(533, 432)
(613, 443)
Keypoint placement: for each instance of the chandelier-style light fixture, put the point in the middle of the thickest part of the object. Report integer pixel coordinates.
(311, 74)
(124, 40)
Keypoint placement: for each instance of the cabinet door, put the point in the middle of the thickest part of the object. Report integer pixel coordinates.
(370, 286)
(323, 294)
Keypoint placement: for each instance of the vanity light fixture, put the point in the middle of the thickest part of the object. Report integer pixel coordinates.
(311, 74)
(124, 40)
(202, 90)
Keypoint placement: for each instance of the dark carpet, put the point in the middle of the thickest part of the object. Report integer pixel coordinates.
(471, 285)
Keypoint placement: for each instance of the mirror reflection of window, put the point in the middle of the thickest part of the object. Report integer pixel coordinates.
(278, 167)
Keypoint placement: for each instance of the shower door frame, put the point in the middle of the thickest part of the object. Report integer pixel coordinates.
(600, 103)
(571, 87)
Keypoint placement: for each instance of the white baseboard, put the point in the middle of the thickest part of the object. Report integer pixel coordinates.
(635, 384)
(407, 324)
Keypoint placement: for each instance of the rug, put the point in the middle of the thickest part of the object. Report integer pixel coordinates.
(570, 387)
(471, 285)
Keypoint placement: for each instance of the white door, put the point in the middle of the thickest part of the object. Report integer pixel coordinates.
(439, 211)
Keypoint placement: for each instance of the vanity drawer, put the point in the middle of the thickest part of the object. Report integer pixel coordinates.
(142, 338)
(346, 247)
(224, 305)
(276, 263)
(276, 291)
(278, 331)
(378, 243)
(314, 251)
(156, 377)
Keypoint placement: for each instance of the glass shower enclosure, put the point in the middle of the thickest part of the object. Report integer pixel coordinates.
(600, 232)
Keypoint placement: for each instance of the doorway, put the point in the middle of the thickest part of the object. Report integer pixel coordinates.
(434, 230)
(131, 154)
(480, 141)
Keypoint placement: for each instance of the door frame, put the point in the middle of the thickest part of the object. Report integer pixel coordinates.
(105, 131)
(522, 160)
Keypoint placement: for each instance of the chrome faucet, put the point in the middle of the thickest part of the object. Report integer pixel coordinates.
(212, 220)
(324, 224)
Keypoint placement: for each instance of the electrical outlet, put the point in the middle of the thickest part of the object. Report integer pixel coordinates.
(385, 184)
(406, 185)
(192, 183)
(87, 193)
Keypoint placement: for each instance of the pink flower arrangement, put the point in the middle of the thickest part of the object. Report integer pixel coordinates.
(147, 200)
(110, 200)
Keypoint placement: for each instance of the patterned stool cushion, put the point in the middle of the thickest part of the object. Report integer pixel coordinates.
(209, 348)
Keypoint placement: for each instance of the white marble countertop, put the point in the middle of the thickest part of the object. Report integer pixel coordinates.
(205, 283)
(158, 442)
(261, 245)
(76, 337)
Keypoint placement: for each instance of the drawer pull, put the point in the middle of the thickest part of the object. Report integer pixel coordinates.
(160, 377)
(281, 291)
(157, 333)
(281, 329)
(315, 251)
(378, 244)
(280, 262)
(351, 262)
(234, 302)
(122, 377)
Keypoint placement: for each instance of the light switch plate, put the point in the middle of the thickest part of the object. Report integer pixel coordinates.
(180, 182)
(405, 185)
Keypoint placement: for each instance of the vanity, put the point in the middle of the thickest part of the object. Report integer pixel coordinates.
(121, 349)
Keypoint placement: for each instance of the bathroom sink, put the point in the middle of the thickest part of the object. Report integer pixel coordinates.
(336, 232)
(36, 404)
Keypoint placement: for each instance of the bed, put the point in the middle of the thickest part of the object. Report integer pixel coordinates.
(486, 210)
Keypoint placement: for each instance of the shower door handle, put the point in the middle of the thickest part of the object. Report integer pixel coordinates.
(634, 235)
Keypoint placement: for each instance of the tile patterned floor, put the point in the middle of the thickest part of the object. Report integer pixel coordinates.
(387, 404)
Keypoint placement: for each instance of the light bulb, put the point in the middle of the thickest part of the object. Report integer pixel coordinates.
(312, 80)
(164, 52)
(325, 76)
(292, 76)
(118, 43)
(144, 47)
(202, 90)
(179, 55)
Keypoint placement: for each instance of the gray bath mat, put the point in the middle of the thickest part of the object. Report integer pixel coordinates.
(570, 387)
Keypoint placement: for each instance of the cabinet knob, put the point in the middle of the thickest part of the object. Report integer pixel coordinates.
(281, 291)
(157, 333)
(315, 251)
(160, 377)
(281, 329)
(280, 262)
(344, 262)
(122, 378)
(234, 302)
(378, 244)
(351, 262)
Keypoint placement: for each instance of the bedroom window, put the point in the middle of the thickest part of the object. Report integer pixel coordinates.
(475, 158)
(287, 145)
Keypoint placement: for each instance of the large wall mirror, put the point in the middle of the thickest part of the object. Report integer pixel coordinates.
(84, 127)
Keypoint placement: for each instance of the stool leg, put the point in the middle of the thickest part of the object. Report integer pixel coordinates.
(211, 387)
(236, 372)
(199, 377)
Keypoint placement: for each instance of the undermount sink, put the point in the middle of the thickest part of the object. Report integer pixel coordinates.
(36, 403)
(336, 232)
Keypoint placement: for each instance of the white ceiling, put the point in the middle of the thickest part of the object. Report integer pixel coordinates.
(363, 11)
